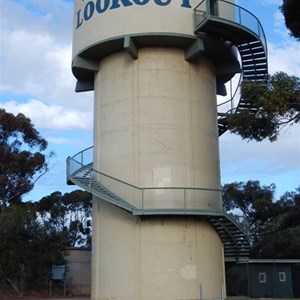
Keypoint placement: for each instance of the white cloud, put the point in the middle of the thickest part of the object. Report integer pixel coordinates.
(51, 116)
(58, 140)
(36, 52)
(284, 58)
(277, 162)
(272, 2)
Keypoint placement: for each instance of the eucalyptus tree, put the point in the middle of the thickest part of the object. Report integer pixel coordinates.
(22, 161)
(275, 103)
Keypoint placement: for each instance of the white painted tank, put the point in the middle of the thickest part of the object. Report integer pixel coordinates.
(100, 20)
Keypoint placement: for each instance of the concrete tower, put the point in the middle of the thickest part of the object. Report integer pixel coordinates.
(156, 67)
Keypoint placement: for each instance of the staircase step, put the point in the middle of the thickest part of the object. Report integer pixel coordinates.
(257, 67)
(246, 46)
(255, 52)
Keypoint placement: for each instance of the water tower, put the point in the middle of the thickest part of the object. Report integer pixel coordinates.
(156, 68)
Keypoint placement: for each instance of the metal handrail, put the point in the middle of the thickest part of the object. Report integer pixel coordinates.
(81, 163)
(206, 13)
(77, 162)
(234, 98)
(83, 159)
(241, 220)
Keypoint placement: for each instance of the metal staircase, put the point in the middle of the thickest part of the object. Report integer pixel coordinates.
(235, 240)
(232, 231)
(84, 178)
(241, 28)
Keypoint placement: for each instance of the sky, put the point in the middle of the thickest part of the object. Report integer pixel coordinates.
(36, 79)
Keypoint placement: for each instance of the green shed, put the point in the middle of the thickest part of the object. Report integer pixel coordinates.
(263, 278)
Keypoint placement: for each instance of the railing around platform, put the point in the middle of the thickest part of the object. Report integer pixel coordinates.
(229, 12)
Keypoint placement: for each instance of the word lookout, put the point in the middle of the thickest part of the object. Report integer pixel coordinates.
(101, 6)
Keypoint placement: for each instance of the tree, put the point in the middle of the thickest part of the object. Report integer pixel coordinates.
(70, 213)
(274, 225)
(281, 237)
(276, 103)
(28, 248)
(255, 201)
(291, 11)
(21, 157)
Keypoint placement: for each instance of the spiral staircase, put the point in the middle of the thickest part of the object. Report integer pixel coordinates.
(233, 230)
(244, 31)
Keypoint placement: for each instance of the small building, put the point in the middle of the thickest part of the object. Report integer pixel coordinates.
(264, 278)
(78, 277)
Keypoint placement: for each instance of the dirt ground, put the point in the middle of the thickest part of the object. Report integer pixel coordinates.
(57, 295)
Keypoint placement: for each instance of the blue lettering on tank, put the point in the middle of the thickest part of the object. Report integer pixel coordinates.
(140, 2)
(101, 6)
(186, 3)
(115, 3)
(161, 3)
(79, 19)
(89, 10)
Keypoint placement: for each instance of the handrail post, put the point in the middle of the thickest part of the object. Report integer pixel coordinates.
(90, 179)
(231, 96)
(143, 200)
(207, 8)
(195, 18)
(258, 29)
(68, 168)
(185, 208)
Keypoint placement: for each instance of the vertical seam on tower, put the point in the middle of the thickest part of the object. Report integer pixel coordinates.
(189, 102)
(136, 121)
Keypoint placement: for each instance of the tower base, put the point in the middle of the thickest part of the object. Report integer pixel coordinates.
(154, 258)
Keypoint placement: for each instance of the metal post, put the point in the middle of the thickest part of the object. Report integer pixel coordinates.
(231, 96)
(50, 288)
(207, 8)
(222, 292)
(64, 288)
(201, 291)
(143, 200)
(90, 179)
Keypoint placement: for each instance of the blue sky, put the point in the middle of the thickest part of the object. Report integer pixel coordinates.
(36, 79)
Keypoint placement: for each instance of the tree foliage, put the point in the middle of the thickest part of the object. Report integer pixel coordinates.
(21, 157)
(276, 103)
(28, 248)
(36, 235)
(274, 225)
(291, 12)
(69, 212)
